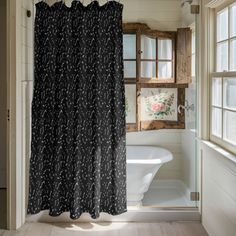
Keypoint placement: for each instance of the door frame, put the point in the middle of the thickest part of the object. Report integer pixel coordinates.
(15, 159)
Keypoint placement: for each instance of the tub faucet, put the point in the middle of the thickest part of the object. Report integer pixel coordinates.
(186, 107)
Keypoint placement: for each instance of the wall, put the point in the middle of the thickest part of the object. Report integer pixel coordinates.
(169, 139)
(218, 191)
(158, 14)
(3, 95)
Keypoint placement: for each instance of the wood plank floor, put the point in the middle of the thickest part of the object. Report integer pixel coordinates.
(109, 229)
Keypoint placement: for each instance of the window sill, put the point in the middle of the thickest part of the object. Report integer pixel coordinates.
(223, 152)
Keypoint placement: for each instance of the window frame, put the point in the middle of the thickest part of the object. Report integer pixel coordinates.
(132, 79)
(131, 127)
(162, 36)
(139, 29)
(224, 143)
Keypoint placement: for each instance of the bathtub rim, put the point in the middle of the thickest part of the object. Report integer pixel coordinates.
(160, 160)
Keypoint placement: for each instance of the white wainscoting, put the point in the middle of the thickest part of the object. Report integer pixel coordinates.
(218, 191)
(169, 139)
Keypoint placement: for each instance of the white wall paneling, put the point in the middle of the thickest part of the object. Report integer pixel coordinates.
(219, 192)
(169, 139)
(158, 14)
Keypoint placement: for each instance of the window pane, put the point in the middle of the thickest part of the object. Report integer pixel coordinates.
(222, 56)
(233, 21)
(222, 25)
(230, 126)
(217, 92)
(164, 69)
(230, 93)
(148, 47)
(233, 54)
(129, 69)
(148, 69)
(216, 121)
(129, 46)
(130, 103)
(164, 49)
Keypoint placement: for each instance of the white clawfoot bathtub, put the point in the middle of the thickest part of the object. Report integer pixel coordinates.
(143, 162)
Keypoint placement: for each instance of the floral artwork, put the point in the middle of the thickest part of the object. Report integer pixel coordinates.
(130, 103)
(159, 104)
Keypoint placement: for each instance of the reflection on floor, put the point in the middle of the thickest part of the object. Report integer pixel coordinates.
(168, 196)
(3, 209)
(109, 229)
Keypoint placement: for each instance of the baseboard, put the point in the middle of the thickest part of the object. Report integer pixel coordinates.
(132, 215)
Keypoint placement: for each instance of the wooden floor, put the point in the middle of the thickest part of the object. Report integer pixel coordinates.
(109, 229)
(101, 229)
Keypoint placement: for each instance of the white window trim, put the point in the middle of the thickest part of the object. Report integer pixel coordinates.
(220, 141)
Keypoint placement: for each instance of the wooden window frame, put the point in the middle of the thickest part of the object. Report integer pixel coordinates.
(155, 34)
(221, 141)
(127, 29)
(139, 29)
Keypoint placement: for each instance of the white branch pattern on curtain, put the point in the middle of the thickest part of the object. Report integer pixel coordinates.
(78, 159)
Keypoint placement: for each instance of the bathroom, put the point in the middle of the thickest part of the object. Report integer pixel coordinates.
(164, 112)
(175, 180)
(172, 184)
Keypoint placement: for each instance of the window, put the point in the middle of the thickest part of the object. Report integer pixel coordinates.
(157, 58)
(153, 91)
(129, 42)
(223, 80)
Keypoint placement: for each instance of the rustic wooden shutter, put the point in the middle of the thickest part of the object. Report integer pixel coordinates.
(183, 56)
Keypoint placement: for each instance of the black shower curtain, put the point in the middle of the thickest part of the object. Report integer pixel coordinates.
(78, 154)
